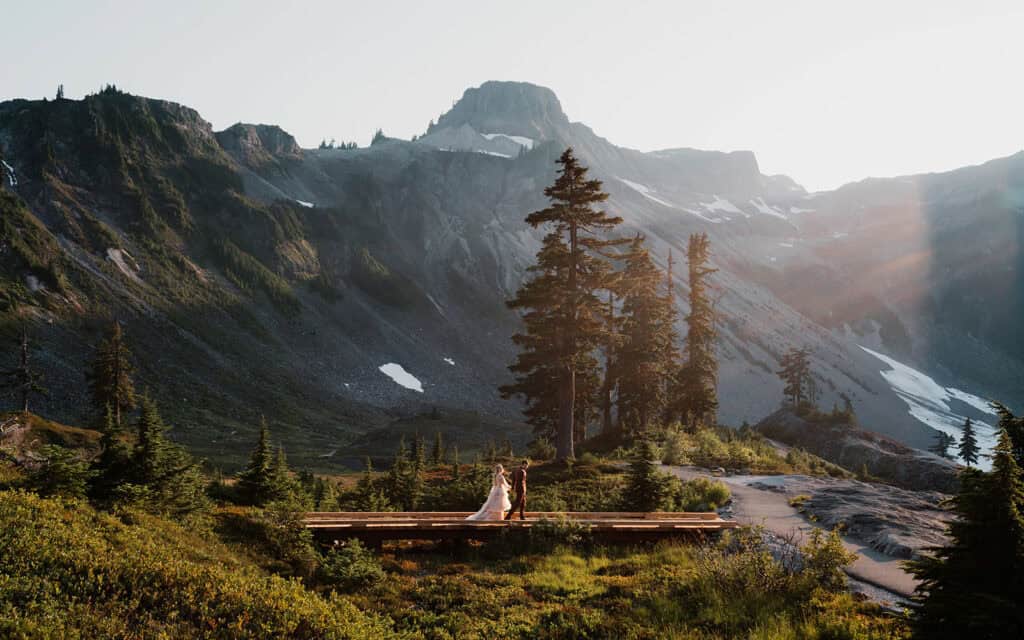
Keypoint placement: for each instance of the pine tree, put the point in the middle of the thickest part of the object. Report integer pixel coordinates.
(113, 465)
(974, 586)
(111, 377)
(62, 472)
(455, 462)
(696, 395)
(1014, 427)
(419, 452)
(369, 496)
(968, 446)
(795, 373)
(649, 342)
(437, 451)
(282, 486)
(646, 488)
(173, 482)
(23, 379)
(612, 343)
(60, 92)
(563, 318)
(255, 483)
(537, 366)
(943, 441)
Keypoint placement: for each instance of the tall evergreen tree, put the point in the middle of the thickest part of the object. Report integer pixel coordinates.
(437, 451)
(110, 379)
(572, 261)
(419, 452)
(974, 587)
(255, 483)
(23, 379)
(537, 366)
(171, 477)
(968, 446)
(1014, 427)
(610, 379)
(795, 372)
(696, 394)
(649, 341)
(113, 465)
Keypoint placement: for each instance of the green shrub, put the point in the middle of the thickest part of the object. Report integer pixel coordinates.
(350, 567)
(62, 472)
(701, 494)
(541, 449)
(69, 571)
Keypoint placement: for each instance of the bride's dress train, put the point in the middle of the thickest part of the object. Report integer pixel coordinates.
(497, 503)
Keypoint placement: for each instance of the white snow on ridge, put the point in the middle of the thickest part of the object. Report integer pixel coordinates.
(799, 210)
(522, 141)
(928, 402)
(401, 377)
(11, 176)
(646, 192)
(488, 153)
(721, 204)
(449, 361)
(308, 205)
(763, 207)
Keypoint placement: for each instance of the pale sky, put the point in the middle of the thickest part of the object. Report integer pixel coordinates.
(826, 92)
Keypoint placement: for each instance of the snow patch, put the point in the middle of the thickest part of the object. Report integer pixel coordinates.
(646, 192)
(928, 402)
(487, 153)
(796, 210)
(522, 141)
(121, 259)
(401, 377)
(449, 361)
(762, 207)
(308, 205)
(33, 283)
(721, 204)
(12, 177)
(786, 245)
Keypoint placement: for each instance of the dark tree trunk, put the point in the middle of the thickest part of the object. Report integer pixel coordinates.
(564, 449)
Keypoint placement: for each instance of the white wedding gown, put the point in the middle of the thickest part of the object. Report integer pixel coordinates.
(497, 501)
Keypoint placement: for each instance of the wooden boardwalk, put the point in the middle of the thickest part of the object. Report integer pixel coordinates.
(621, 527)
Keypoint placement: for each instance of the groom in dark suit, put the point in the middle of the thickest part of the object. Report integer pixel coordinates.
(519, 484)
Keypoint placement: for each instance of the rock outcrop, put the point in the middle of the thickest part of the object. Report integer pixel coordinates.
(857, 449)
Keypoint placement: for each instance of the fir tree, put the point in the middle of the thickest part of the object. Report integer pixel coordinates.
(646, 488)
(419, 452)
(974, 587)
(282, 486)
(968, 446)
(1014, 427)
(537, 368)
(23, 379)
(369, 496)
(60, 92)
(696, 393)
(62, 472)
(437, 451)
(943, 441)
(648, 348)
(796, 373)
(255, 483)
(113, 465)
(110, 379)
(564, 313)
(172, 480)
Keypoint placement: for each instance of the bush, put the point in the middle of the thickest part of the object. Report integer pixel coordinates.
(701, 494)
(541, 449)
(350, 567)
(62, 473)
(67, 571)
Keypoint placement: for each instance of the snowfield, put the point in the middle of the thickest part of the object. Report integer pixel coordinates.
(308, 205)
(762, 207)
(928, 402)
(646, 192)
(522, 141)
(449, 361)
(721, 204)
(401, 377)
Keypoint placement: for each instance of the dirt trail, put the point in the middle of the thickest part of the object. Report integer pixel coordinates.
(753, 506)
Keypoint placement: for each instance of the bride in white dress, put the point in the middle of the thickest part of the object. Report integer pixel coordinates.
(497, 500)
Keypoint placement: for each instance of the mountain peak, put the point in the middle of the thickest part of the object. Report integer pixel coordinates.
(513, 108)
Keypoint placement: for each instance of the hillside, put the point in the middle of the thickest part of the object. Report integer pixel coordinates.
(256, 277)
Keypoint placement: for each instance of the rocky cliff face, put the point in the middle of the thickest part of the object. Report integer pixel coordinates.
(272, 279)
